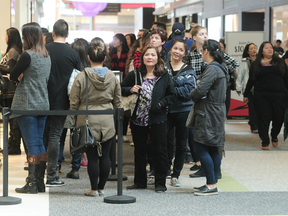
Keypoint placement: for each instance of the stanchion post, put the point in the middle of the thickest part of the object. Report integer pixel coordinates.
(6, 200)
(120, 118)
(120, 198)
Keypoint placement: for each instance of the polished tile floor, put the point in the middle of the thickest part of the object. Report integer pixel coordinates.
(243, 171)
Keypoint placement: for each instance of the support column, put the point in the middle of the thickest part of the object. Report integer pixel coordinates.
(21, 13)
(5, 22)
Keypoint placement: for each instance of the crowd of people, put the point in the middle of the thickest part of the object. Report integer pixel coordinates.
(171, 76)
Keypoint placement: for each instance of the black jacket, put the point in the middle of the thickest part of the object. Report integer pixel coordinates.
(163, 93)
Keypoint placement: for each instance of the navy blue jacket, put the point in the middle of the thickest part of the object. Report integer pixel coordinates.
(184, 83)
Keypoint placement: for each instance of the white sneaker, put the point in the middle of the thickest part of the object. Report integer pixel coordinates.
(132, 144)
(175, 182)
(151, 181)
(125, 139)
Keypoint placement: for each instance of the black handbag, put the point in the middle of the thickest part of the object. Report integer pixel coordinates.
(190, 122)
(82, 137)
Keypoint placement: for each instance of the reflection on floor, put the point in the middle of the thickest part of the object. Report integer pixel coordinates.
(245, 168)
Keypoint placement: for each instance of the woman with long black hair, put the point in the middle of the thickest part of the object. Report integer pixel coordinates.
(119, 53)
(269, 76)
(210, 113)
(7, 63)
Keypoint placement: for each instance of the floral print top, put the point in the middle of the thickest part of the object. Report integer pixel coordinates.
(145, 98)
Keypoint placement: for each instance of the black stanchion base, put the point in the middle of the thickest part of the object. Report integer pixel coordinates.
(120, 199)
(10, 200)
(115, 178)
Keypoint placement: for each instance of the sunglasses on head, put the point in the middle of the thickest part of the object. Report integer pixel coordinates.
(158, 30)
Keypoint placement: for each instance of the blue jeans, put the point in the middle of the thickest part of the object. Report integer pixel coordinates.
(32, 129)
(210, 161)
(178, 120)
(190, 134)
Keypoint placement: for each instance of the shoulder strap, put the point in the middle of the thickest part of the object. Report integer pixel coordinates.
(86, 77)
(179, 72)
(218, 65)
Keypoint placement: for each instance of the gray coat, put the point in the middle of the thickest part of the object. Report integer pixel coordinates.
(209, 98)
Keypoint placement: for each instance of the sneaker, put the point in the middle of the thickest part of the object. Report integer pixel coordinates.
(199, 173)
(101, 192)
(206, 191)
(195, 167)
(151, 181)
(73, 174)
(168, 176)
(132, 144)
(254, 131)
(84, 164)
(175, 182)
(198, 188)
(151, 174)
(55, 183)
(91, 193)
(188, 158)
(125, 139)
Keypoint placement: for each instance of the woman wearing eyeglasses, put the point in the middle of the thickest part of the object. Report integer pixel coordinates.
(209, 101)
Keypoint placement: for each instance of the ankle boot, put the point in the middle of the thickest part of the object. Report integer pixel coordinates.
(41, 173)
(31, 187)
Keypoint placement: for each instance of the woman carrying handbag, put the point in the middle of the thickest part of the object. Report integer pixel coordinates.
(104, 93)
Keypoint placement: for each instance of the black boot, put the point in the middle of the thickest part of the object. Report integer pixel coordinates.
(31, 186)
(40, 178)
(199, 173)
(15, 138)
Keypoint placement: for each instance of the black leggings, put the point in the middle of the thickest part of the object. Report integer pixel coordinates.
(99, 167)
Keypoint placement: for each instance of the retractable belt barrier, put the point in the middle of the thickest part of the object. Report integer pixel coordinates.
(6, 113)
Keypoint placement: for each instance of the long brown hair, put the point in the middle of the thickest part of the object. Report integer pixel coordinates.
(159, 69)
(132, 51)
(33, 38)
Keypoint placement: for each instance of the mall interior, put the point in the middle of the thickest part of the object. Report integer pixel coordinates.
(254, 182)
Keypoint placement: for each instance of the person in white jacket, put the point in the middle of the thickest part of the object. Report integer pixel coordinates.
(249, 55)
